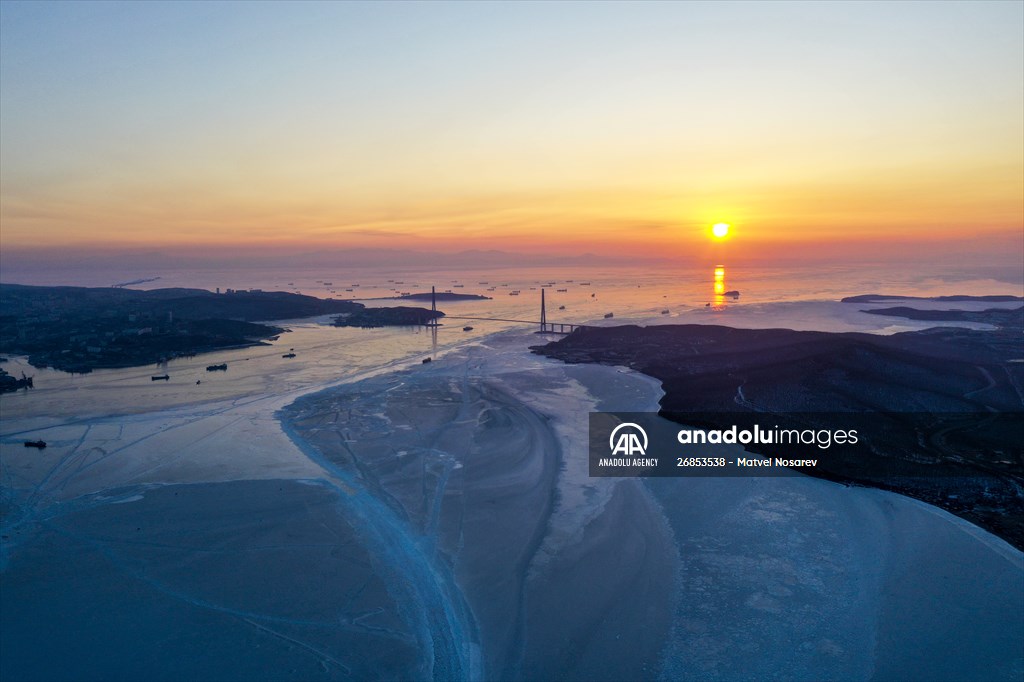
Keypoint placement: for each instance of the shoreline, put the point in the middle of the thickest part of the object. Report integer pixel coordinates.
(464, 577)
(570, 531)
(924, 390)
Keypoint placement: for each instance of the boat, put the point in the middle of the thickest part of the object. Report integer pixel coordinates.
(459, 286)
(561, 307)
(592, 296)
(288, 355)
(733, 294)
(514, 293)
(35, 444)
(222, 367)
(584, 284)
(607, 315)
(562, 290)
(328, 284)
(707, 305)
(665, 311)
(162, 377)
(426, 360)
(467, 329)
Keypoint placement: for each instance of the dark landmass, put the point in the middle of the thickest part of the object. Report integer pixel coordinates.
(878, 298)
(441, 296)
(136, 281)
(999, 317)
(399, 316)
(78, 329)
(926, 381)
(10, 383)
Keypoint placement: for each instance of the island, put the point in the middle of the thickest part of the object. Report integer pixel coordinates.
(439, 296)
(398, 316)
(997, 317)
(942, 407)
(79, 329)
(958, 298)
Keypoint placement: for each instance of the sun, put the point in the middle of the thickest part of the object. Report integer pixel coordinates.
(720, 230)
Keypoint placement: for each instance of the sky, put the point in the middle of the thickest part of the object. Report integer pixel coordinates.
(617, 128)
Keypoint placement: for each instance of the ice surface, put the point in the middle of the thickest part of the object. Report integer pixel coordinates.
(438, 522)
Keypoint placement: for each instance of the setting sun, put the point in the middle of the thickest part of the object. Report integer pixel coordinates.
(720, 230)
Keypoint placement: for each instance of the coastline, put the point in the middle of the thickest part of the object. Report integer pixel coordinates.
(840, 529)
(935, 407)
(464, 574)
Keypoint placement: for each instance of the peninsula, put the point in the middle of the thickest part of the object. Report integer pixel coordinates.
(78, 329)
(943, 402)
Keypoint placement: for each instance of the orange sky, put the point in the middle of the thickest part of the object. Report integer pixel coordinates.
(612, 128)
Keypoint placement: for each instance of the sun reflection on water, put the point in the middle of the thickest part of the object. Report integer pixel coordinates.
(719, 286)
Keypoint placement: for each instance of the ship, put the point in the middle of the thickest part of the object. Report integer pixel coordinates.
(607, 315)
(162, 377)
(665, 311)
(40, 444)
(222, 367)
(467, 329)
(288, 355)
(733, 294)
(9, 383)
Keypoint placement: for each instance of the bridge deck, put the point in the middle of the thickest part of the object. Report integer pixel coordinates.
(548, 327)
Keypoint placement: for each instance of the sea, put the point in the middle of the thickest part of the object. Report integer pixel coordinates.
(750, 296)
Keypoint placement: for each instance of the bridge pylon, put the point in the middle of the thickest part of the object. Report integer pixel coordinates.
(543, 313)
